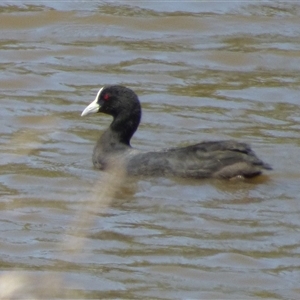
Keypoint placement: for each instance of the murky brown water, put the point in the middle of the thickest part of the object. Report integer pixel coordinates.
(203, 71)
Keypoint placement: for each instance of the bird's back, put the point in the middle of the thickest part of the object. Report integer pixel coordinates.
(221, 159)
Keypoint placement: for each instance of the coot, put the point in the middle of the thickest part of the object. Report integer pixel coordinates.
(216, 159)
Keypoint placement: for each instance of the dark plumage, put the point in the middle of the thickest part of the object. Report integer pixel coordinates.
(218, 159)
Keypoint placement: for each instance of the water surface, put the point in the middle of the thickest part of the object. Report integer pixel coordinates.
(203, 71)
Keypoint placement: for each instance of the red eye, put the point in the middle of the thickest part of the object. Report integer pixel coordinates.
(106, 97)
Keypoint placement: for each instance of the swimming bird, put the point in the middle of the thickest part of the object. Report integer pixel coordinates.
(208, 159)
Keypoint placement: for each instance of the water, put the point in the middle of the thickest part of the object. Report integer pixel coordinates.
(203, 71)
